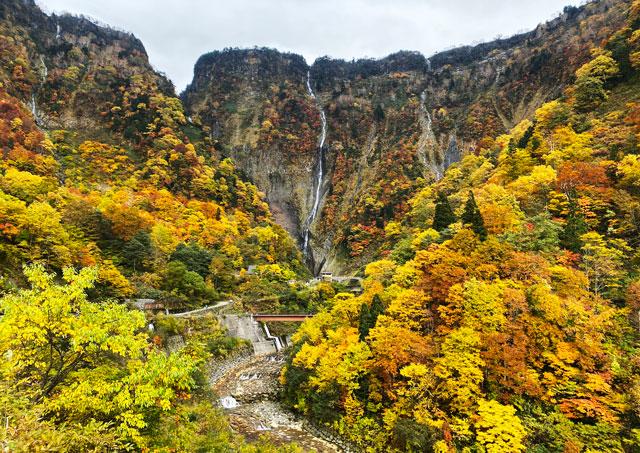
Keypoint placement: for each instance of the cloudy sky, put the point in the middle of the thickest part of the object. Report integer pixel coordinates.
(177, 32)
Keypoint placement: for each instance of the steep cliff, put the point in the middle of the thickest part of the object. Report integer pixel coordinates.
(72, 69)
(392, 124)
(255, 104)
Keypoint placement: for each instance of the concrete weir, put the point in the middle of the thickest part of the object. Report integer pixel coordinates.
(247, 328)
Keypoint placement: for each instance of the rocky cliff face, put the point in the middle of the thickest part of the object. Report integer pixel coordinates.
(254, 104)
(83, 112)
(392, 124)
(72, 72)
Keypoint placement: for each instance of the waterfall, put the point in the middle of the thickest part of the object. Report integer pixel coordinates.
(57, 30)
(428, 65)
(499, 71)
(276, 340)
(34, 107)
(45, 70)
(424, 110)
(319, 173)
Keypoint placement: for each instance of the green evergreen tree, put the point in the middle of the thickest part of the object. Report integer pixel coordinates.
(444, 215)
(473, 218)
(369, 316)
(524, 141)
(365, 321)
(377, 308)
(196, 258)
(574, 227)
(378, 113)
(137, 251)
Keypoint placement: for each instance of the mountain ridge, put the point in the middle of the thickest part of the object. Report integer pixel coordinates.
(455, 54)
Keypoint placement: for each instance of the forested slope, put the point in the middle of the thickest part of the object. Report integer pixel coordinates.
(108, 192)
(504, 316)
(102, 167)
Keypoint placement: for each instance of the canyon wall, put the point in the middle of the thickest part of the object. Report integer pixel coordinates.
(393, 124)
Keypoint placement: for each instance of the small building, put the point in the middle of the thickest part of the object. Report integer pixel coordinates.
(326, 276)
(251, 269)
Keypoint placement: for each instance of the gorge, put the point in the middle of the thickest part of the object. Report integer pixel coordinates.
(421, 114)
(386, 255)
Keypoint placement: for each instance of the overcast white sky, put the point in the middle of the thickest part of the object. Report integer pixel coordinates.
(176, 32)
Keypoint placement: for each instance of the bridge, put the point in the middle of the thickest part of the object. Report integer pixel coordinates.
(259, 317)
(248, 326)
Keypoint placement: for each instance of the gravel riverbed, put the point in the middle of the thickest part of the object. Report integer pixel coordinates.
(248, 386)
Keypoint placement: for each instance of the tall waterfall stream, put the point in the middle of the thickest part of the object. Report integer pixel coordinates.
(317, 194)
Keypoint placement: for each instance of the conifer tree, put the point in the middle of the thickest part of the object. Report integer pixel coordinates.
(137, 250)
(377, 308)
(574, 227)
(378, 113)
(524, 141)
(365, 319)
(444, 215)
(473, 218)
(369, 316)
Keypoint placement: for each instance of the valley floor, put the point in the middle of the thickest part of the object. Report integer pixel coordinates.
(249, 392)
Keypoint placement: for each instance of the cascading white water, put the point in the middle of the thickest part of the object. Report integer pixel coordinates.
(423, 108)
(45, 70)
(229, 402)
(319, 172)
(276, 340)
(427, 143)
(34, 107)
(498, 74)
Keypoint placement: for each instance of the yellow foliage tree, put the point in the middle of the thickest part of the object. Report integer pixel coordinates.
(498, 429)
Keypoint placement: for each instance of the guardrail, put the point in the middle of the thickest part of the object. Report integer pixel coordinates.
(220, 304)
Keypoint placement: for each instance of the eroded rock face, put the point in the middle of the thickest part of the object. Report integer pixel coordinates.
(391, 123)
(255, 105)
(77, 68)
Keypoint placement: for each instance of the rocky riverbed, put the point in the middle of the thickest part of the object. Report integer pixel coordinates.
(248, 390)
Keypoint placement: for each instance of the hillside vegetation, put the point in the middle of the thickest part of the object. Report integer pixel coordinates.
(121, 179)
(504, 316)
(393, 124)
(489, 196)
(109, 192)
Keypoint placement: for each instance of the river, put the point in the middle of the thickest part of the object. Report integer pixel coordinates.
(249, 395)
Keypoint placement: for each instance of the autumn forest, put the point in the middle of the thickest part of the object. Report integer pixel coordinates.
(460, 233)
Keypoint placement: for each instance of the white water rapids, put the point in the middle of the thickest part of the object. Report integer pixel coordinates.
(229, 402)
(319, 173)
